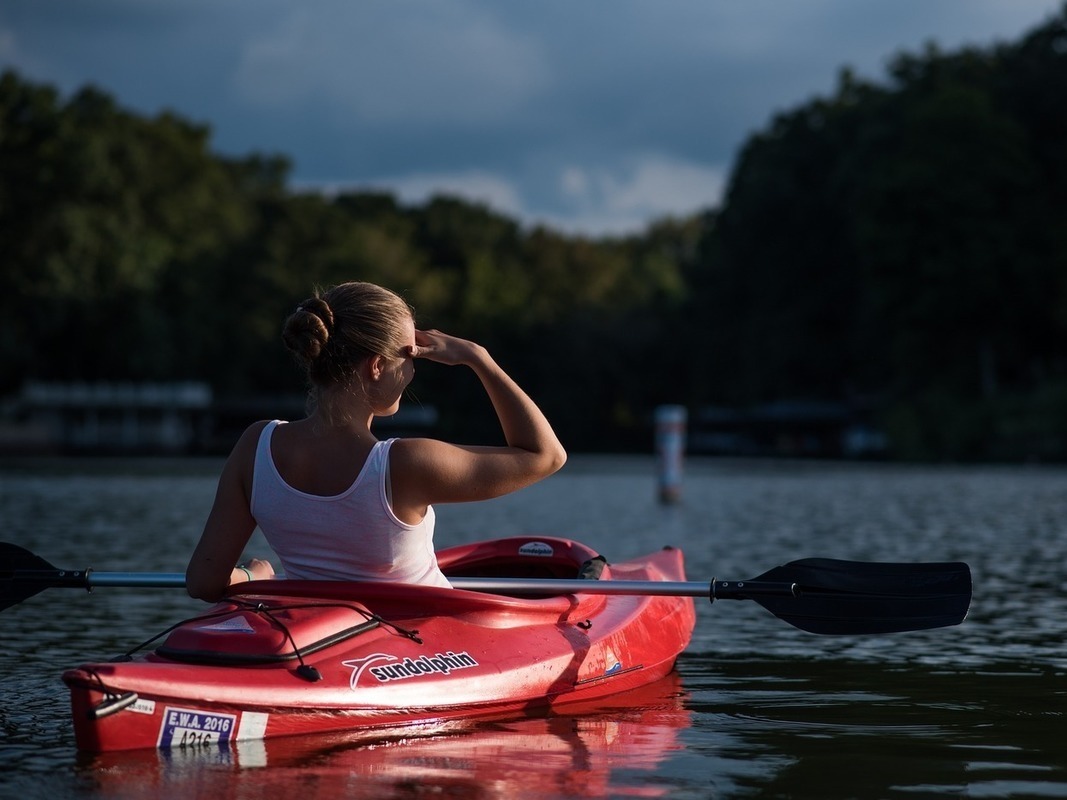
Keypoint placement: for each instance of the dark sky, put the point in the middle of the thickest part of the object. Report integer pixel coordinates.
(593, 116)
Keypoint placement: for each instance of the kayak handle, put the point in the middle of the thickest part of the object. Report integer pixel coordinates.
(111, 704)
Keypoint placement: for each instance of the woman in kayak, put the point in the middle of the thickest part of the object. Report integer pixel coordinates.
(333, 502)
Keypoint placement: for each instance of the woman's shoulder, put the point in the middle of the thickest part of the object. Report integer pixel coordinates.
(240, 465)
(423, 463)
(249, 439)
(255, 430)
(412, 449)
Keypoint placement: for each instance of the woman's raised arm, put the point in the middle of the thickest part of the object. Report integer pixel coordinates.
(427, 471)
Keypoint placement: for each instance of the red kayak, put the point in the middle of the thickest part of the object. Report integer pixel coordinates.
(279, 658)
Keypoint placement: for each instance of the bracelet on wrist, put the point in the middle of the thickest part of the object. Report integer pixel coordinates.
(247, 572)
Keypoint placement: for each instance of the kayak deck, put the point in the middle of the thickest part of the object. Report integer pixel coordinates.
(280, 658)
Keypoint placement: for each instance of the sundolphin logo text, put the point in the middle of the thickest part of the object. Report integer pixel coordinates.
(441, 663)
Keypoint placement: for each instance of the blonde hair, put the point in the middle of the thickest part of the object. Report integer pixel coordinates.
(332, 332)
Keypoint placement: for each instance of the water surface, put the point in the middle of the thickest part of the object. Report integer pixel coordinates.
(756, 707)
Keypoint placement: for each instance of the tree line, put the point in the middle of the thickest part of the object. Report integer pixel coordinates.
(898, 246)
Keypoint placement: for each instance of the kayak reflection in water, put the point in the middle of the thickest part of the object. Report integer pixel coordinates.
(333, 502)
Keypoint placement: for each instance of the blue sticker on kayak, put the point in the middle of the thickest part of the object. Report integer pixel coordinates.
(183, 727)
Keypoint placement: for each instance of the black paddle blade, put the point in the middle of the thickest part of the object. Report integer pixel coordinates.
(852, 597)
(23, 574)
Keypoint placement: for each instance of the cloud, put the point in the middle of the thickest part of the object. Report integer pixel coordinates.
(605, 200)
(476, 186)
(625, 197)
(8, 51)
(402, 62)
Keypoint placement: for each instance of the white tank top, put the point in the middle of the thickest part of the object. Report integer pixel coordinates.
(349, 536)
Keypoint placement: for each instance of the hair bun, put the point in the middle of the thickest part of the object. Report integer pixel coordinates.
(308, 329)
(318, 307)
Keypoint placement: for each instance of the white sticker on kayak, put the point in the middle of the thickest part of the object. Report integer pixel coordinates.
(536, 549)
(144, 706)
(183, 727)
(253, 725)
(230, 625)
(611, 661)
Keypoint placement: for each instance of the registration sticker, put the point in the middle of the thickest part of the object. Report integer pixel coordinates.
(144, 706)
(183, 727)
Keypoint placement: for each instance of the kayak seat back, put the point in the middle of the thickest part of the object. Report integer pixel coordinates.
(524, 557)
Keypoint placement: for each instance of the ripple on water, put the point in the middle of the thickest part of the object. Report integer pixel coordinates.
(975, 710)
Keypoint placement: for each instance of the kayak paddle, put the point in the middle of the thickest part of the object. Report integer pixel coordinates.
(819, 595)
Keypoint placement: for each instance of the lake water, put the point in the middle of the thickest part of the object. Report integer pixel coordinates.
(756, 708)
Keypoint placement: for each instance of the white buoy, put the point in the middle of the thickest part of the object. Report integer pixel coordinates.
(670, 450)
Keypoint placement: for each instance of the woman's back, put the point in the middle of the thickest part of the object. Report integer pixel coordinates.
(347, 534)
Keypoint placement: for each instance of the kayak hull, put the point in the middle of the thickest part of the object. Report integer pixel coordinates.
(284, 658)
(577, 749)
